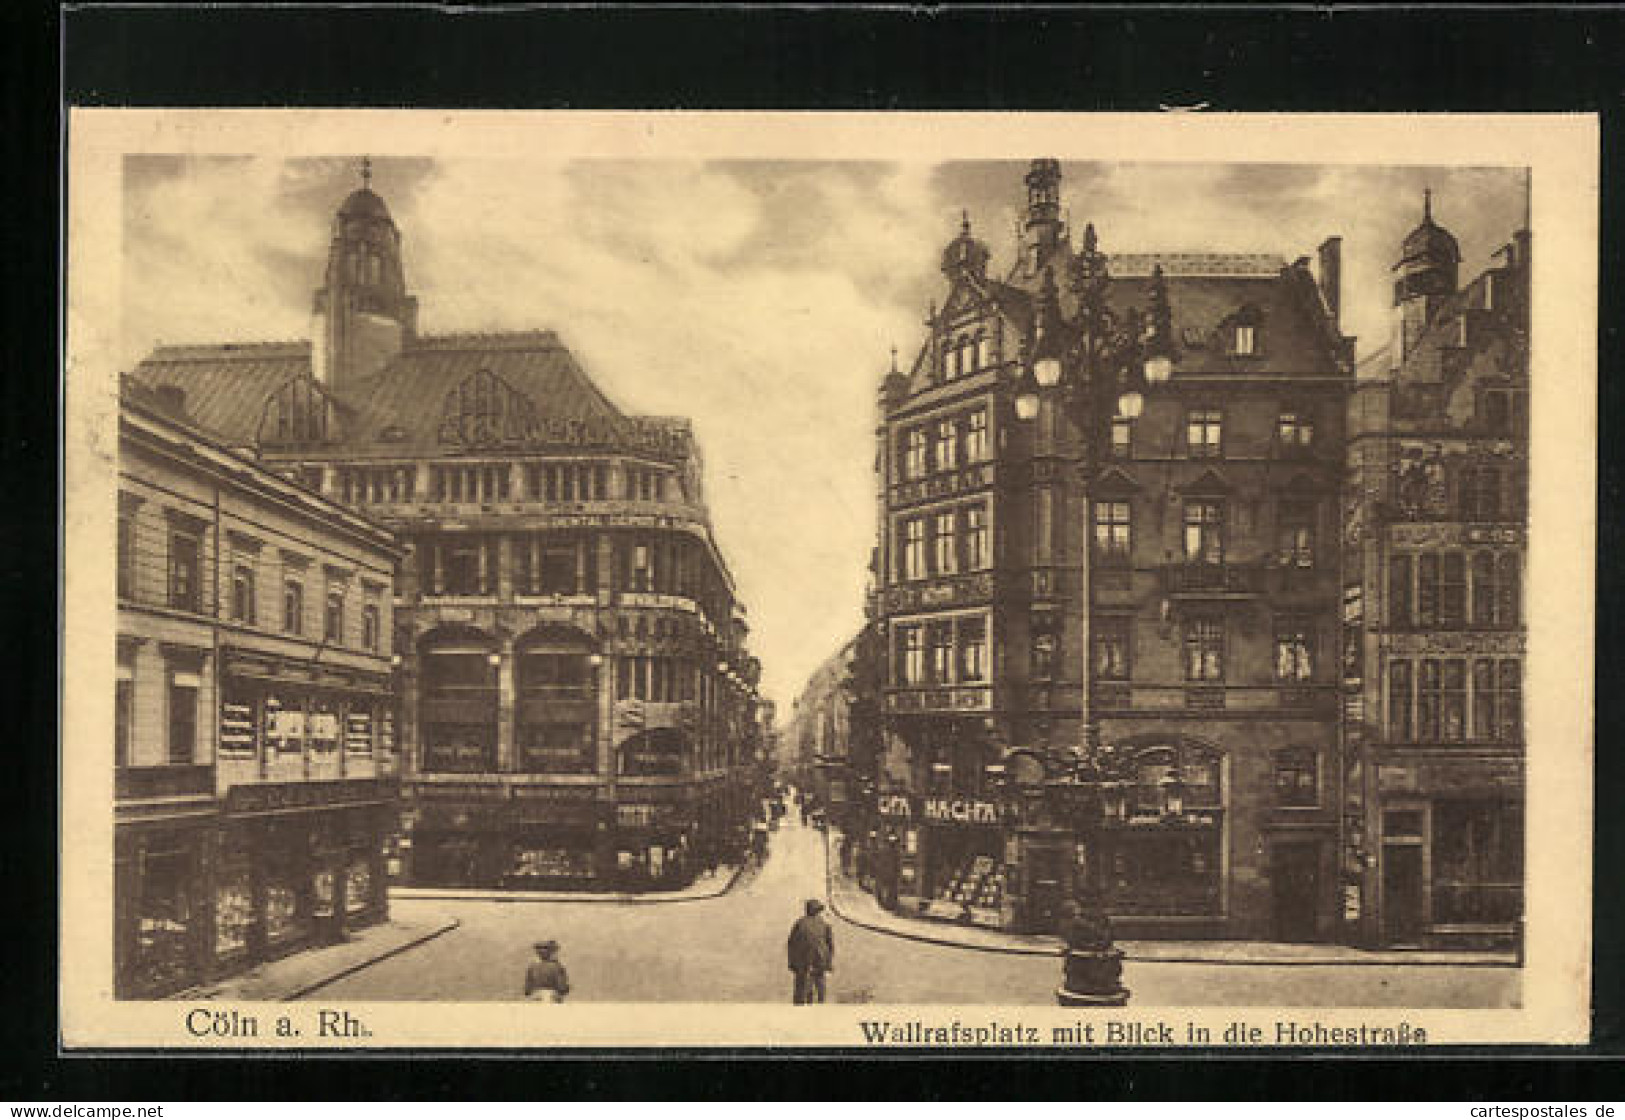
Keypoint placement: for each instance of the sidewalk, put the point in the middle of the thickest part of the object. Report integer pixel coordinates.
(304, 972)
(709, 884)
(858, 907)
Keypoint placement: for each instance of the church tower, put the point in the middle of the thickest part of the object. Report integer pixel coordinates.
(363, 316)
(1424, 278)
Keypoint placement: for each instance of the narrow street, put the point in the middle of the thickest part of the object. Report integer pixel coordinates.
(732, 949)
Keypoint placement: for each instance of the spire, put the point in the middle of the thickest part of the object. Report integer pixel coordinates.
(366, 173)
(964, 222)
(1427, 204)
(894, 368)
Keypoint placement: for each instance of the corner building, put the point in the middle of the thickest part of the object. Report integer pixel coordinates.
(576, 694)
(1437, 539)
(1172, 596)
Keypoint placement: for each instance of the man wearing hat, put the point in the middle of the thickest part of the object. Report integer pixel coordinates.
(546, 979)
(812, 953)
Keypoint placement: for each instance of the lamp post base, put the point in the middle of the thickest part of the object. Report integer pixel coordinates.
(1093, 978)
(1065, 998)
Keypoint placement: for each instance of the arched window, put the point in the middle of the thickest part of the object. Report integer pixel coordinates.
(1165, 860)
(458, 701)
(558, 676)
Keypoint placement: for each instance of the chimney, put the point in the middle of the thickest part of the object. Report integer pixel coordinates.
(1331, 276)
(172, 399)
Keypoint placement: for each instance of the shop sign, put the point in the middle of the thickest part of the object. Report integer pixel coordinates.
(959, 810)
(237, 728)
(555, 793)
(893, 806)
(358, 732)
(270, 796)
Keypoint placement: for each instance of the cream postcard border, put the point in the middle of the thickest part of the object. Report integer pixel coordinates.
(1561, 150)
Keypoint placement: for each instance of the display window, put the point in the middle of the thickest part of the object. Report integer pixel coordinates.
(165, 914)
(233, 903)
(967, 875)
(358, 883)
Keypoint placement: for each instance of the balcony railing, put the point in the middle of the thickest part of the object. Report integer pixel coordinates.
(142, 783)
(1213, 579)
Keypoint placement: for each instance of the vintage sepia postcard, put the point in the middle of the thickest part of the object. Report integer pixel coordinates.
(556, 580)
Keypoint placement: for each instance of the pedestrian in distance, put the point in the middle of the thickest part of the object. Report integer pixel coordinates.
(546, 979)
(812, 953)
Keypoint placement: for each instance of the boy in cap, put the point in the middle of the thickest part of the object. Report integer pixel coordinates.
(546, 979)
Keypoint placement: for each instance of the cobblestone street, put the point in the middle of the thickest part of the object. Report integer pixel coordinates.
(731, 949)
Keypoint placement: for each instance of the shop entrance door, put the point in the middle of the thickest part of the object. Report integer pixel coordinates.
(1402, 894)
(1295, 875)
(1046, 887)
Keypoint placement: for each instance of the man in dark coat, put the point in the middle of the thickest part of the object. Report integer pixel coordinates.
(812, 953)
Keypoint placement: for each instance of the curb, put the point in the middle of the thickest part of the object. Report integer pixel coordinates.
(622, 899)
(351, 970)
(1021, 951)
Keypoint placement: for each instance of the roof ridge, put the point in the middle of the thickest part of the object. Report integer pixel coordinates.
(447, 340)
(214, 349)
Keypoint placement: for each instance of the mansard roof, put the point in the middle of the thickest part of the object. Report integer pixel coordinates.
(400, 409)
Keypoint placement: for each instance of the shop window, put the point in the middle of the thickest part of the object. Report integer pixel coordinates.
(1294, 650)
(656, 753)
(359, 728)
(1113, 531)
(975, 550)
(976, 446)
(184, 684)
(1477, 857)
(323, 726)
(942, 542)
(165, 913)
(1295, 535)
(1113, 654)
(1401, 728)
(233, 898)
(1204, 532)
(185, 573)
(1204, 433)
(1204, 649)
(1297, 778)
(459, 705)
(284, 724)
(972, 649)
(557, 748)
(293, 606)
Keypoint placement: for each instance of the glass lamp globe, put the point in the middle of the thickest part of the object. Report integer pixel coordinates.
(1026, 405)
(1159, 368)
(1047, 371)
(1130, 405)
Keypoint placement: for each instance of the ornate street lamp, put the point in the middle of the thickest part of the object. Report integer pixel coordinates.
(1101, 363)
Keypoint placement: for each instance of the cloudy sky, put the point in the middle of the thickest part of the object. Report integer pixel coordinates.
(760, 299)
